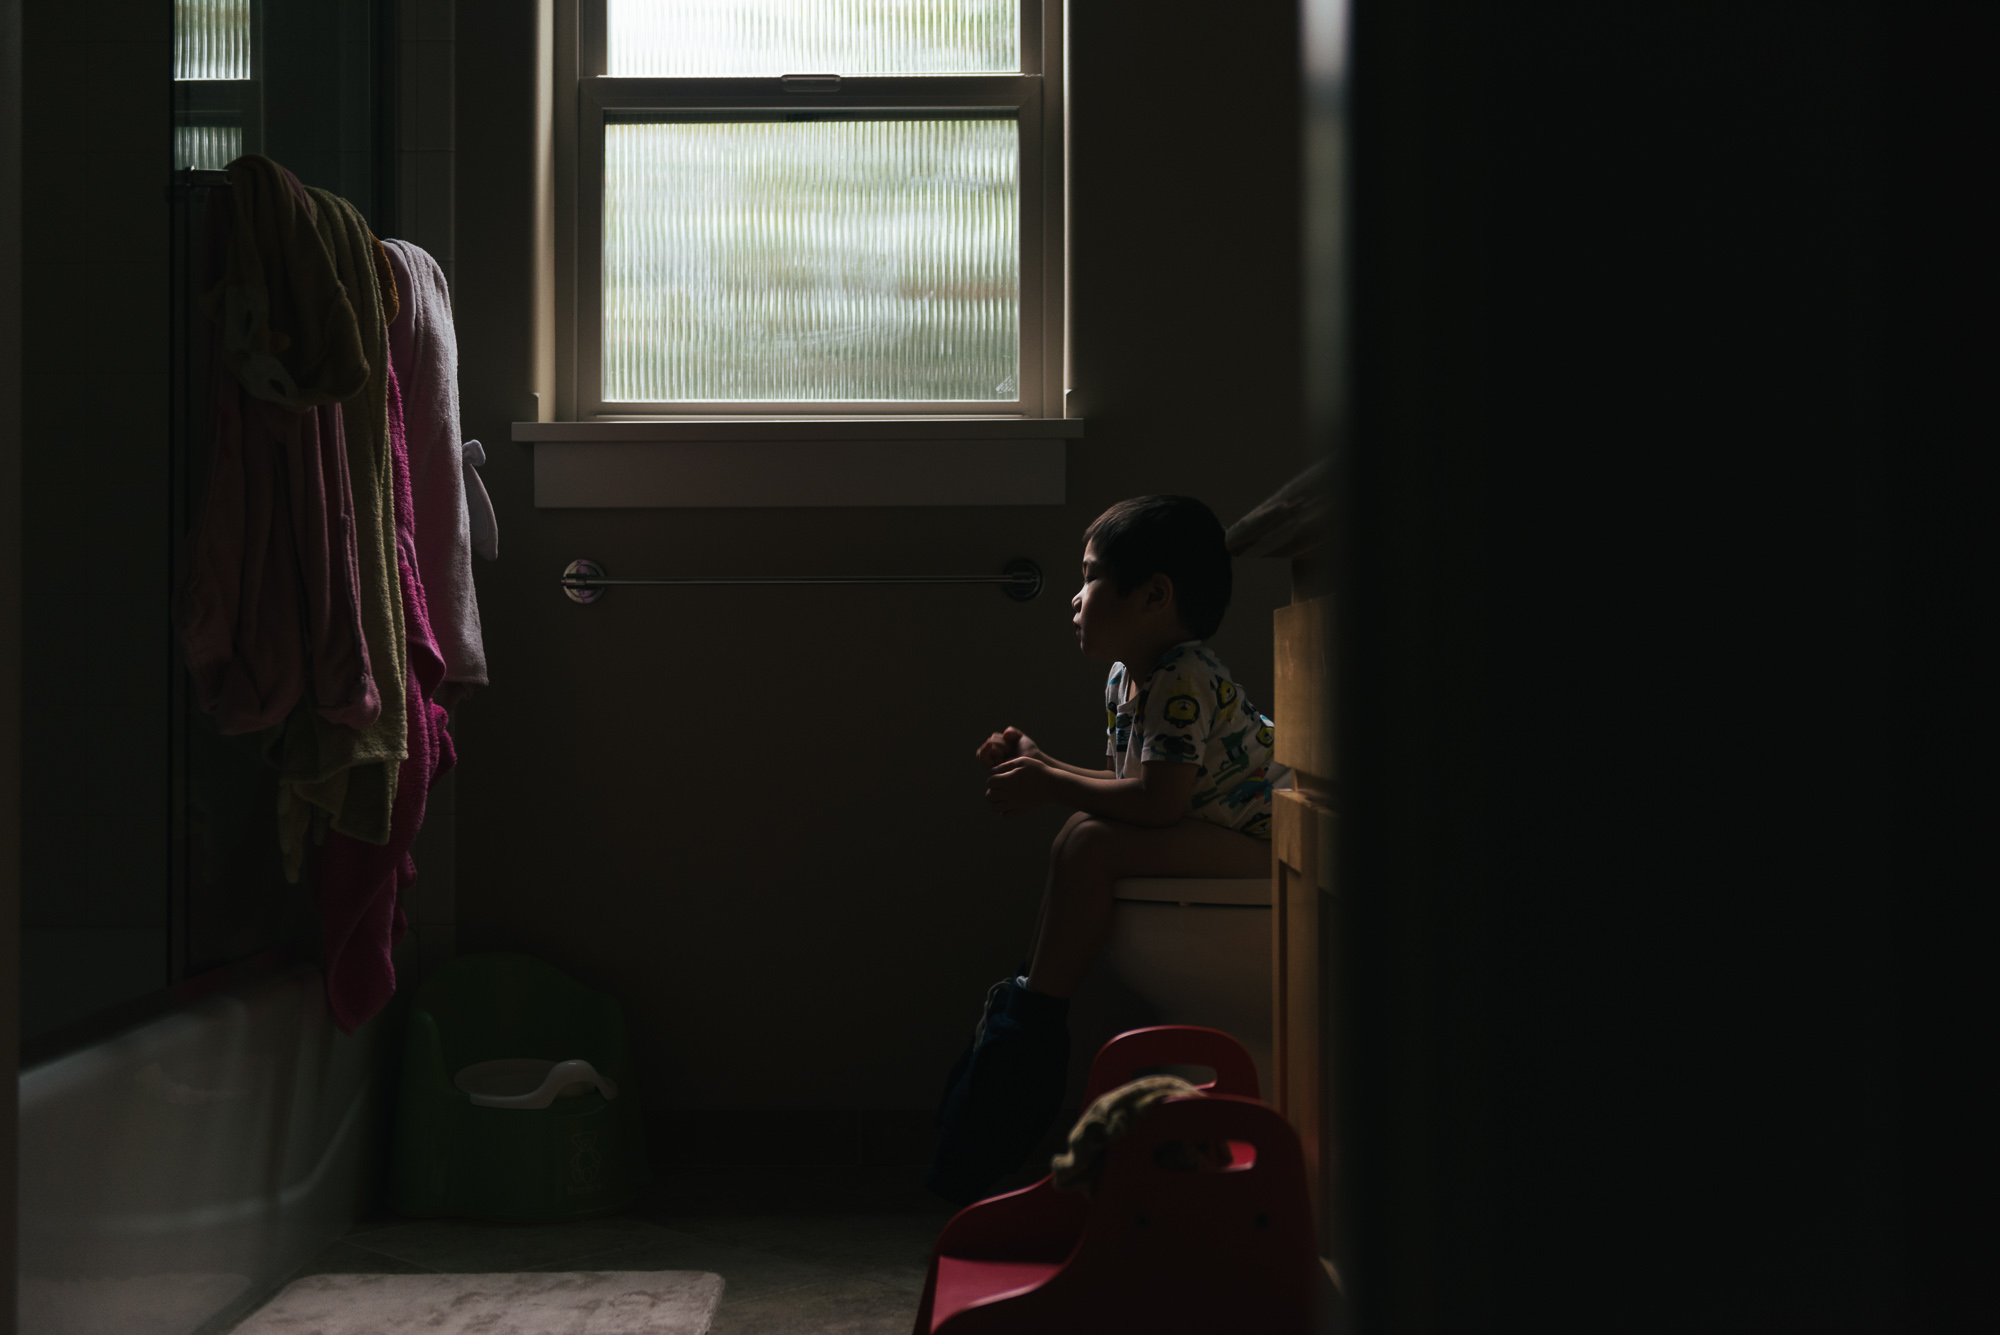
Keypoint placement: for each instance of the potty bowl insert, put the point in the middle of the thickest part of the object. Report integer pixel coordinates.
(485, 1132)
(528, 1082)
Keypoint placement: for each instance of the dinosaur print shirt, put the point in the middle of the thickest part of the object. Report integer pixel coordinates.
(1190, 712)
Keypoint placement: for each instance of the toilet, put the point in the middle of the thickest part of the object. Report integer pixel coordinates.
(1183, 950)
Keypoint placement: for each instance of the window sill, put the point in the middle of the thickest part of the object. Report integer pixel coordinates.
(682, 463)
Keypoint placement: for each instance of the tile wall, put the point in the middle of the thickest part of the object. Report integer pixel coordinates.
(426, 66)
(426, 132)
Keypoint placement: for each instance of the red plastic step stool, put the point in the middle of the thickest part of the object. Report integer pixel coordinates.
(1231, 1249)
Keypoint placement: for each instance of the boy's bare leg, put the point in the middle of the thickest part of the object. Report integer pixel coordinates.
(1055, 857)
(1091, 853)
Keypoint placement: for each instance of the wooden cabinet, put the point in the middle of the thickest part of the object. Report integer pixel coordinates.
(1302, 926)
(1302, 689)
(1304, 830)
(1294, 524)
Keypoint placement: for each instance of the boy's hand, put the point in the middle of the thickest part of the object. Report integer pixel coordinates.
(1006, 745)
(1020, 784)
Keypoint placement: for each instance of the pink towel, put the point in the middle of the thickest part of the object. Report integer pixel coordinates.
(361, 884)
(424, 350)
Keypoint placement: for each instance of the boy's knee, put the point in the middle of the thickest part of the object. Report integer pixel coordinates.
(1086, 841)
(1069, 828)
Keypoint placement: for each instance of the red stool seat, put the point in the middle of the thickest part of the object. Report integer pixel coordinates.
(1156, 1249)
(962, 1282)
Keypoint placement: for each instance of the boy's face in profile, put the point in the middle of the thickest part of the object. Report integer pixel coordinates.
(1108, 623)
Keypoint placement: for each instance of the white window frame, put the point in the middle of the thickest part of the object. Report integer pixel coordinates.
(1034, 97)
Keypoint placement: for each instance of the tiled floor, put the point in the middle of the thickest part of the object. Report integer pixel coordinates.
(824, 1251)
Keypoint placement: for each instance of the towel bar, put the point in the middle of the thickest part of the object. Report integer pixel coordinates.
(584, 580)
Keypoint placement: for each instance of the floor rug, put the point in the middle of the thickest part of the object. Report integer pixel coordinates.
(604, 1302)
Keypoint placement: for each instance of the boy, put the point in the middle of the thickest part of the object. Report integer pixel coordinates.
(1186, 792)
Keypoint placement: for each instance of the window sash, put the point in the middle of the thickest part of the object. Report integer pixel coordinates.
(1017, 97)
(592, 61)
(821, 10)
(1040, 226)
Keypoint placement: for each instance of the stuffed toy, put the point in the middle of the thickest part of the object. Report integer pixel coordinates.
(1113, 1116)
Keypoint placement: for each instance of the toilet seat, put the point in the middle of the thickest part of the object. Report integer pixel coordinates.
(1255, 891)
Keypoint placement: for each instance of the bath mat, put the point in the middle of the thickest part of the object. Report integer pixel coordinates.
(600, 1302)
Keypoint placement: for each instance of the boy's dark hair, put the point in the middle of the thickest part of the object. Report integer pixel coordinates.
(1176, 536)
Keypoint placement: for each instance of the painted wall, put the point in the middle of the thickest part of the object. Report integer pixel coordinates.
(754, 817)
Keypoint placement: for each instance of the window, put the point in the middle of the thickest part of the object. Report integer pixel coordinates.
(811, 208)
(212, 67)
(299, 81)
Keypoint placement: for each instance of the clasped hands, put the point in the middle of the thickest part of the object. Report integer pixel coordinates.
(1021, 778)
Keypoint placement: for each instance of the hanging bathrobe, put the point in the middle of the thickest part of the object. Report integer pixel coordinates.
(446, 491)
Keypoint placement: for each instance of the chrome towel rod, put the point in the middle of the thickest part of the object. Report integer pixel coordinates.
(584, 580)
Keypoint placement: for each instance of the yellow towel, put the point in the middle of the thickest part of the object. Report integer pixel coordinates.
(328, 773)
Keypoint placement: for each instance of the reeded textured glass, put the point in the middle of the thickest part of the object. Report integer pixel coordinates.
(207, 147)
(812, 261)
(211, 39)
(672, 39)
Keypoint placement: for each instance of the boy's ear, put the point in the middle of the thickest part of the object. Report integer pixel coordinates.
(1159, 592)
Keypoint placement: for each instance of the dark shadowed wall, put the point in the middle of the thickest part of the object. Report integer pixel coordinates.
(10, 622)
(754, 817)
(95, 155)
(1643, 430)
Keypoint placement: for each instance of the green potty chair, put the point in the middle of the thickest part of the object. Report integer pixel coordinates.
(517, 1101)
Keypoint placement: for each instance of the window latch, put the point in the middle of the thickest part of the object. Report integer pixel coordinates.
(810, 83)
